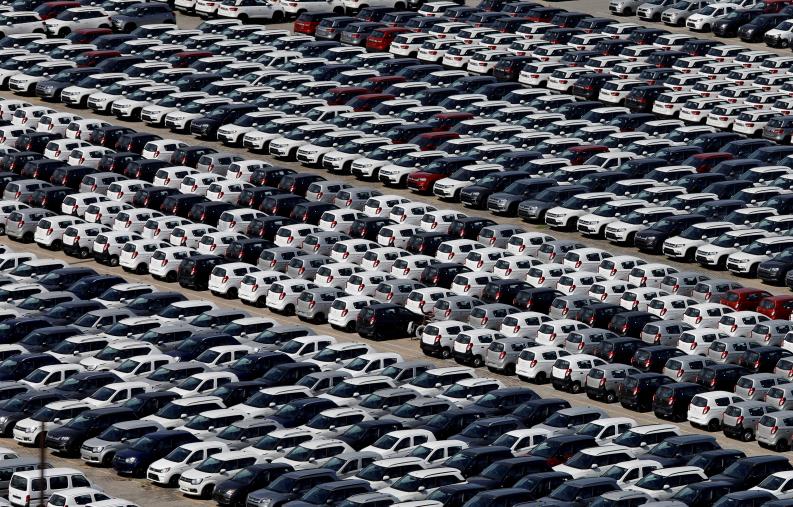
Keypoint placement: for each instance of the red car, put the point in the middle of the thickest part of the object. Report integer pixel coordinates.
(87, 35)
(381, 39)
(51, 9)
(367, 101)
(442, 122)
(577, 155)
(308, 22)
(776, 307)
(91, 58)
(431, 140)
(704, 162)
(378, 84)
(186, 58)
(343, 94)
(744, 299)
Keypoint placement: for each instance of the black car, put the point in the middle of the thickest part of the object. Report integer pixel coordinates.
(369, 227)
(191, 347)
(641, 98)
(775, 271)
(653, 359)
(536, 411)
(671, 400)
(266, 227)
(269, 176)
(721, 377)
(83, 384)
(506, 473)
(387, 320)
(208, 212)
(35, 141)
(631, 323)
(442, 274)
(300, 411)
(116, 162)
(557, 450)
(42, 169)
(23, 405)
(425, 243)
(504, 400)
(153, 303)
(50, 198)
(453, 421)
(714, 462)
(600, 314)
(247, 250)
(468, 227)
(473, 460)
(456, 495)
(234, 491)
(694, 183)
(533, 210)
(619, 350)
(638, 390)
(150, 403)
(536, 299)
(180, 204)
(476, 196)
(152, 197)
(134, 141)
(144, 169)
(707, 493)
(286, 374)
(91, 286)
(14, 162)
(69, 438)
(190, 155)
(503, 291)
(755, 29)
(651, 240)
(763, 359)
(588, 85)
(68, 312)
(539, 485)
(366, 433)
(50, 89)
(194, 271)
(311, 212)
(281, 204)
(207, 126)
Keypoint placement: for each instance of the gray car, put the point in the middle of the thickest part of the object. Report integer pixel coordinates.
(586, 341)
(780, 396)
(169, 336)
(454, 308)
(384, 401)
(646, 11)
(686, 368)
(771, 332)
(757, 385)
(682, 283)
(21, 224)
(354, 197)
(217, 163)
(664, 332)
(325, 191)
(99, 182)
(566, 307)
(169, 375)
(570, 420)
(348, 464)
(775, 430)
(322, 381)
(102, 448)
(711, 291)
(604, 382)
(97, 320)
(740, 419)
(502, 355)
(242, 433)
(678, 13)
(498, 235)
(273, 338)
(730, 350)
(554, 251)
(306, 266)
(396, 291)
(276, 259)
(491, 315)
(314, 304)
(418, 411)
(23, 190)
(142, 14)
(405, 371)
(321, 243)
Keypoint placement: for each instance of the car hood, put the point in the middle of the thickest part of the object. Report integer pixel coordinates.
(539, 204)
(266, 493)
(508, 197)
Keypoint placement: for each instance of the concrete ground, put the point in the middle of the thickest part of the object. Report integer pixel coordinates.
(146, 494)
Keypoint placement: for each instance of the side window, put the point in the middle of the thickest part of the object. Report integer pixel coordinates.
(59, 482)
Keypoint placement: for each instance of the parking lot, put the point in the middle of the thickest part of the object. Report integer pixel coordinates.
(146, 493)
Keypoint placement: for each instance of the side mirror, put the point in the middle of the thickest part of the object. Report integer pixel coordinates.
(643, 444)
(595, 466)
(243, 439)
(182, 416)
(223, 471)
(356, 395)
(181, 317)
(123, 439)
(386, 477)
(243, 334)
(422, 489)
(56, 420)
(438, 385)
(666, 486)
(76, 352)
(312, 459)
(271, 404)
(211, 429)
(279, 448)
(332, 427)
(468, 396)
(214, 326)
(569, 425)
(116, 359)
(338, 359)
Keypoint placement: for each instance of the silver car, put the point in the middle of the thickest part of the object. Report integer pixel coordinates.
(23, 190)
(780, 396)
(243, 433)
(682, 283)
(416, 412)
(678, 13)
(554, 251)
(321, 243)
(396, 291)
(314, 304)
(354, 197)
(498, 235)
(454, 308)
(650, 11)
(102, 448)
(306, 266)
(566, 307)
(217, 163)
(664, 332)
(169, 375)
(730, 350)
(405, 371)
(322, 381)
(384, 401)
(570, 420)
(771, 332)
(502, 355)
(325, 191)
(586, 341)
(686, 368)
(740, 419)
(604, 382)
(757, 385)
(278, 258)
(711, 291)
(775, 430)
(98, 320)
(491, 315)
(99, 182)
(21, 224)
(348, 464)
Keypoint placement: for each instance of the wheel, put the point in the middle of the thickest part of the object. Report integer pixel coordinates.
(129, 27)
(2, 229)
(477, 362)
(261, 302)
(350, 327)
(207, 491)
(108, 459)
(84, 253)
(56, 245)
(278, 16)
(231, 293)
(611, 397)
(319, 318)
(243, 18)
(27, 237)
(174, 481)
(170, 277)
(113, 261)
(400, 6)
(509, 369)
(781, 446)
(446, 353)
(541, 378)
(747, 435)
(575, 388)
(63, 32)
(289, 310)
(141, 269)
(713, 425)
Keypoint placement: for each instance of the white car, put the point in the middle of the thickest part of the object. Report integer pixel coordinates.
(225, 279)
(702, 20)
(166, 471)
(77, 18)
(20, 22)
(201, 480)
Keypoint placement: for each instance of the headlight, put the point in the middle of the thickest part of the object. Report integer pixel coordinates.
(3, 420)
(196, 481)
(130, 460)
(266, 502)
(99, 449)
(773, 270)
(165, 470)
(533, 208)
(30, 429)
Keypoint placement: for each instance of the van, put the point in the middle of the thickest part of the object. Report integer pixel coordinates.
(26, 488)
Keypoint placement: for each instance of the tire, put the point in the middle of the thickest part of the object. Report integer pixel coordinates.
(63, 32)
(174, 481)
(108, 459)
(27, 237)
(261, 302)
(446, 353)
(207, 491)
(231, 293)
(170, 277)
(713, 425)
(477, 362)
(243, 18)
(2, 229)
(338, 10)
(509, 369)
(278, 16)
(575, 387)
(56, 245)
(781, 446)
(289, 310)
(142, 269)
(611, 397)
(129, 27)
(541, 378)
(747, 435)
(113, 261)
(400, 6)
(350, 327)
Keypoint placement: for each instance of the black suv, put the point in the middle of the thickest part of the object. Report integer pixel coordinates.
(638, 390)
(671, 400)
(387, 320)
(194, 271)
